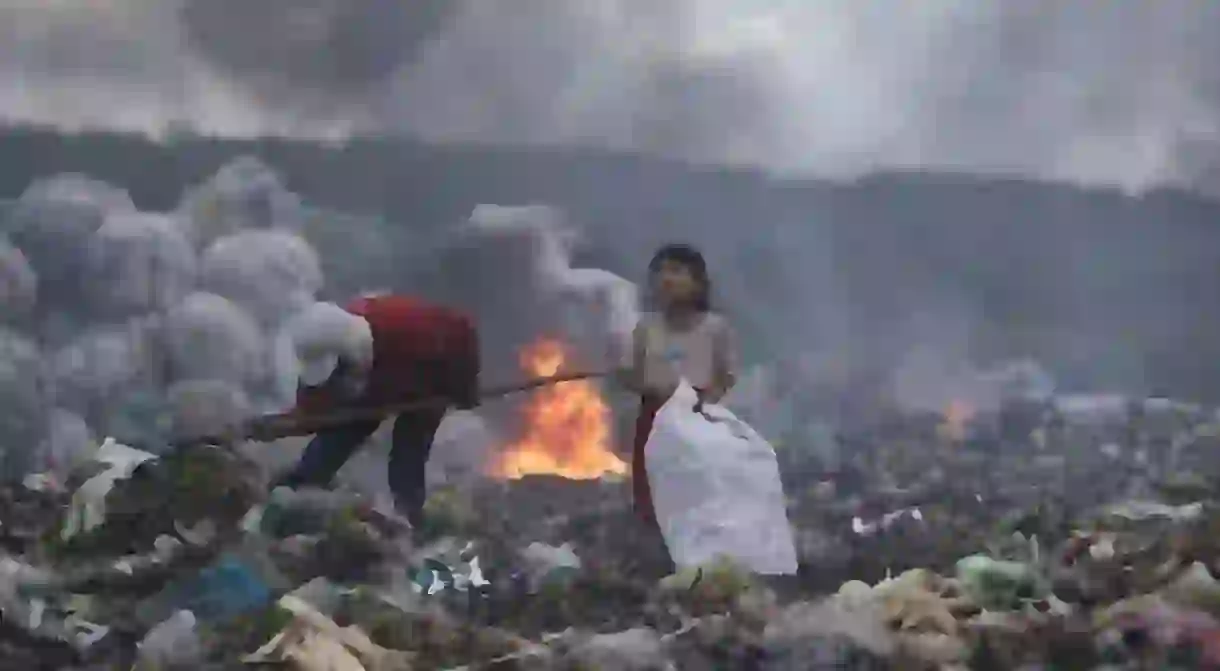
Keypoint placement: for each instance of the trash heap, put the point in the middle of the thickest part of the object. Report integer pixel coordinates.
(1081, 547)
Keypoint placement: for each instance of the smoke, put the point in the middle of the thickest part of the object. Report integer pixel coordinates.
(517, 275)
(1099, 93)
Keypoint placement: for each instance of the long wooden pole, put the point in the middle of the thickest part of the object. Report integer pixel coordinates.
(308, 425)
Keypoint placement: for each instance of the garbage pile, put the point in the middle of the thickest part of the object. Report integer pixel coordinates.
(1079, 546)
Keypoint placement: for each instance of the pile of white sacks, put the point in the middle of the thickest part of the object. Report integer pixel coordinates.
(112, 316)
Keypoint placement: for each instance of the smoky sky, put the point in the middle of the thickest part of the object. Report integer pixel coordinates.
(1121, 94)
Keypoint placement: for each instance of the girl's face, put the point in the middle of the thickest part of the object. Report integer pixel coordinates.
(674, 284)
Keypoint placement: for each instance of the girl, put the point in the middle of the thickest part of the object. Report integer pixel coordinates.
(682, 338)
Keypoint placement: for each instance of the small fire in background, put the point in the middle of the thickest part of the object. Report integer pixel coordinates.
(566, 426)
(957, 416)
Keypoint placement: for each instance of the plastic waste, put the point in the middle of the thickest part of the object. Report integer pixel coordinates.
(31, 599)
(1145, 510)
(717, 583)
(638, 648)
(17, 582)
(289, 512)
(172, 644)
(239, 581)
(313, 642)
(716, 489)
(862, 528)
(550, 565)
(445, 565)
(998, 585)
(88, 507)
(322, 595)
(165, 549)
(1195, 588)
(227, 589)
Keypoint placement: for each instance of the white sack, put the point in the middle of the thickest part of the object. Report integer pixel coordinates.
(139, 262)
(272, 274)
(244, 194)
(23, 398)
(88, 508)
(104, 363)
(206, 407)
(52, 223)
(716, 489)
(210, 337)
(18, 284)
(69, 443)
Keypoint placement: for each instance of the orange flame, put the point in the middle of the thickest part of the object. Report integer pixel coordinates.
(567, 425)
(957, 416)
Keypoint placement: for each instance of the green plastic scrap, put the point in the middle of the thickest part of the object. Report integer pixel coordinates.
(998, 585)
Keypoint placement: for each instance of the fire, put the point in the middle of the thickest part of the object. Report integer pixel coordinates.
(567, 425)
(957, 416)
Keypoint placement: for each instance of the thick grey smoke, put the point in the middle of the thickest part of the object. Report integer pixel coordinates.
(517, 275)
(1106, 93)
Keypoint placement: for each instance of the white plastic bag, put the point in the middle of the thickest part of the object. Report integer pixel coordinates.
(716, 489)
(88, 508)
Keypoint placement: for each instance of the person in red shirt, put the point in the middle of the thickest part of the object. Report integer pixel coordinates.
(373, 352)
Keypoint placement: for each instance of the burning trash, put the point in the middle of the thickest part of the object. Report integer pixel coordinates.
(979, 556)
(566, 426)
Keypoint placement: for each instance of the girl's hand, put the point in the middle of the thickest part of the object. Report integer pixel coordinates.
(703, 396)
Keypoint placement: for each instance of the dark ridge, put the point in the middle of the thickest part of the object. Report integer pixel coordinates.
(1086, 279)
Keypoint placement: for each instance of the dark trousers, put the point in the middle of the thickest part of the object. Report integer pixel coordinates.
(412, 441)
(640, 489)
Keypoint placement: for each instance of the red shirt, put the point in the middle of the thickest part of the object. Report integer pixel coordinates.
(420, 350)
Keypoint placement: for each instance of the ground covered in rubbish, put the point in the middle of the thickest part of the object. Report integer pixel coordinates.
(1080, 543)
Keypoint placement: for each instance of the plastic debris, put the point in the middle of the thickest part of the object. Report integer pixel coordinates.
(173, 644)
(89, 500)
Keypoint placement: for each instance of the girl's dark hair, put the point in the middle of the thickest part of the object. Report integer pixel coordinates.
(693, 261)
